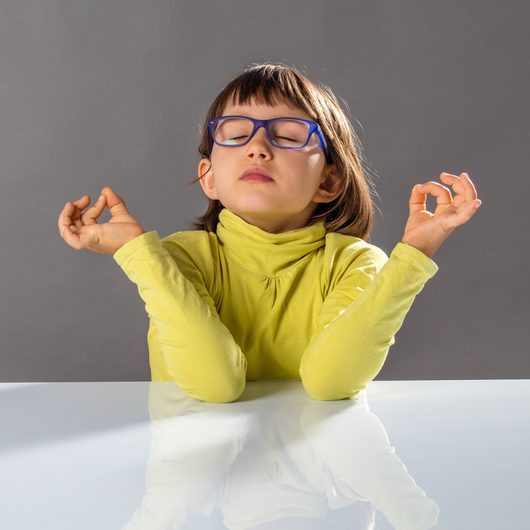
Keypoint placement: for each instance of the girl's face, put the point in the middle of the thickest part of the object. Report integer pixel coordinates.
(301, 178)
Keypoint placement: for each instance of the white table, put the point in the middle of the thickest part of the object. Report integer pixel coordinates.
(138, 455)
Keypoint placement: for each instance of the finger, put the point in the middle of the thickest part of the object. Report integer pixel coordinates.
(114, 202)
(71, 237)
(70, 213)
(65, 217)
(471, 186)
(79, 205)
(91, 215)
(458, 185)
(418, 197)
(462, 185)
(465, 213)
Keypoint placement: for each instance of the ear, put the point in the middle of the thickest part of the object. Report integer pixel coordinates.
(207, 181)
(330, 187)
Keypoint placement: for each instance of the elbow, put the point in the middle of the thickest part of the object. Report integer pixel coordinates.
(228, 396)
(227, 393)
(327, 396)
(332, 396)
(320, 391)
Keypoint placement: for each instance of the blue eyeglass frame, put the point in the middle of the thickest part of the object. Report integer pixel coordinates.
(314, 127)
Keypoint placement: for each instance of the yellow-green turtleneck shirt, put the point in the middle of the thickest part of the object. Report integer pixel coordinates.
(245, 304)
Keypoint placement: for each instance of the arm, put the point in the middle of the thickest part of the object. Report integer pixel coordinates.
(359, 319)
(201, 355)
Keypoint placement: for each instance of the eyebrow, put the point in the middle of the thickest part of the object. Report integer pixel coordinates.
(238, 113)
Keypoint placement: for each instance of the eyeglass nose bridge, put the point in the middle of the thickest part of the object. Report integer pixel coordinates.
(257, 125)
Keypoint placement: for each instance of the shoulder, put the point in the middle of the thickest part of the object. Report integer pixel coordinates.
(350, 263)
(190, 243)
(350, 251)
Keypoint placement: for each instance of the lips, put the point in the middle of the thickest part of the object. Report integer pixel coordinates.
(256, 174)
(252, 177)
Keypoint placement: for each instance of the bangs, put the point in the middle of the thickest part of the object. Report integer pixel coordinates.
(268, 87)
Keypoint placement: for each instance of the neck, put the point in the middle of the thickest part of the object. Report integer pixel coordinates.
(267, 253)
(274, 223)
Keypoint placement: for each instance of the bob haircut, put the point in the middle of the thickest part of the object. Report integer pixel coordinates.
(350, 213)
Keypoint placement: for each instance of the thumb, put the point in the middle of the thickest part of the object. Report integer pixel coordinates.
(114, 202)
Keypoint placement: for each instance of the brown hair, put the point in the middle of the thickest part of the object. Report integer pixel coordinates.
(351, 212)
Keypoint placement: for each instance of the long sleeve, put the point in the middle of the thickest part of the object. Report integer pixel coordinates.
(359, 319)
(200, 353)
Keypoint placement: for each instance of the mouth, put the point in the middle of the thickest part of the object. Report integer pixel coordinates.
(255, 177)
(256, 174)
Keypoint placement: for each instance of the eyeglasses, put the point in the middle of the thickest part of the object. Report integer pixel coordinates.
(285, 133)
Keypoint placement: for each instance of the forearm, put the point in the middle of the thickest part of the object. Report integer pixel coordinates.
(200, 353)
(348, 353)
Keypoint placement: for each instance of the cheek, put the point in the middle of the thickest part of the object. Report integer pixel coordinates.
(316, 161)
(215, 159)
(307, 170)
(223, 160)
(309, 160)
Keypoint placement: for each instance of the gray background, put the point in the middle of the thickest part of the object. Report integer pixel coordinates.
(113, 93)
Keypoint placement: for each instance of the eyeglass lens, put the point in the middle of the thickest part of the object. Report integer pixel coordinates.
(284, 133)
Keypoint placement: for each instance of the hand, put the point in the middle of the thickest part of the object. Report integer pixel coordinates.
(80, 229)
(427, 231)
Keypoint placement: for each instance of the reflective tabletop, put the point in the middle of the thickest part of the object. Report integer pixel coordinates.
(446, 455)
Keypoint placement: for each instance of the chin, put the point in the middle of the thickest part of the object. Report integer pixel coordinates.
(253, 206)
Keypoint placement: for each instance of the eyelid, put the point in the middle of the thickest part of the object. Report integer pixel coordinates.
(276, 118)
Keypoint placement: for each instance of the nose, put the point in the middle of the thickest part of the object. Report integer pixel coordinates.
(259, 144)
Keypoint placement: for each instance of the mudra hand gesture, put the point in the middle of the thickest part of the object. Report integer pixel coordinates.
(427, 231)
(79, 228)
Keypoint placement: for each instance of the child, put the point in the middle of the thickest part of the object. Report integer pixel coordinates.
(277, 280)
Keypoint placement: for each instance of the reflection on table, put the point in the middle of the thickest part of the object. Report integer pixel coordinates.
(283, 461)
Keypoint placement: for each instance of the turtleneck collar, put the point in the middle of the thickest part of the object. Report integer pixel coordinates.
(265, 253)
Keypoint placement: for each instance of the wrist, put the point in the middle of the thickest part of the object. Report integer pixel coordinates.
(136, 233)
(133, 235)
(427, 251)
